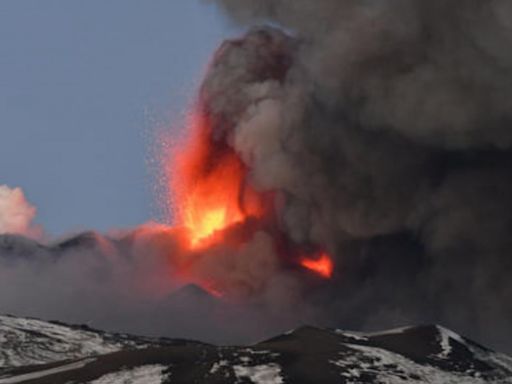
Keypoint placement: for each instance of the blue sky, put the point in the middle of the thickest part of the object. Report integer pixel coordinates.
(82, 86)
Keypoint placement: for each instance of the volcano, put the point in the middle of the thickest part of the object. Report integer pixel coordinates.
(345, 164)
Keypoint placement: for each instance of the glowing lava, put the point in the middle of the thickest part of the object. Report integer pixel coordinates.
(322, 265)
(210, 188)
(216, 207)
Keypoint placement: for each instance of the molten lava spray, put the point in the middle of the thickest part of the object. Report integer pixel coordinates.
(210, 186)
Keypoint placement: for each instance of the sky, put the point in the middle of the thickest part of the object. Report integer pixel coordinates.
(84, 85)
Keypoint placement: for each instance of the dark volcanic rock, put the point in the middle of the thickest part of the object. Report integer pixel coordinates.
(33, 351)
(15, 247)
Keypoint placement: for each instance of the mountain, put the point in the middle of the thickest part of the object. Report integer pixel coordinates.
(25, 342)
(17, 246)
(37, 352)
(20, 246)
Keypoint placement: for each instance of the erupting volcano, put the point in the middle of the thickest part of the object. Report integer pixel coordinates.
(352, 173)
(216, 205)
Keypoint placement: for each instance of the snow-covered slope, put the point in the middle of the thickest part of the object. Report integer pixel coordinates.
(430, 354)
(29, 341)
(425, 354)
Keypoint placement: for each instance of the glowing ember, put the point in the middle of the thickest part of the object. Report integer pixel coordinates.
(210, 187)
(322, 265)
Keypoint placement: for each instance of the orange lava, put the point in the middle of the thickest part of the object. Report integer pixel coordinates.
(322, 265)
(209, 186)
(214, 204)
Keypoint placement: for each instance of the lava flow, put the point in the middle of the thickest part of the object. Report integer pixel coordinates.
(321, 264)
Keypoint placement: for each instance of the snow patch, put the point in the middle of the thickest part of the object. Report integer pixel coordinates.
(260, 374)
(45, 372)
(218, 365)
(146, 374)
(393, 331)
(352, 335)
(392, 368)
(445, 335)
(30, 341)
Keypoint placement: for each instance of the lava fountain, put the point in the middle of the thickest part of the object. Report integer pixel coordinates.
(218, 210)
(216, 205)
(210, 188)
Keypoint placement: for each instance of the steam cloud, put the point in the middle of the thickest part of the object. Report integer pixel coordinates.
(383, 127)
(16, 213)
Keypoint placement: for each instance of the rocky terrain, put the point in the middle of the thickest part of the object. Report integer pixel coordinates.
(35, 351)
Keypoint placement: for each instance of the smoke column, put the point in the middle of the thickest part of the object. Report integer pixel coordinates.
(386, 128)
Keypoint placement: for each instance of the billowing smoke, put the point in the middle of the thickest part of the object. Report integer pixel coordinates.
(16, 213)
(386, 128)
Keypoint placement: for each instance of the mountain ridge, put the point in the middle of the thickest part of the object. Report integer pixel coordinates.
(52, 352)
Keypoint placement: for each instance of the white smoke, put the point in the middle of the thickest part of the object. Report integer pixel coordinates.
(16, 213)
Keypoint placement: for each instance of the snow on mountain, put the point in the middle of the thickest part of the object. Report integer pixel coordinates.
(146, 374)
(39, 352)
(29, 341)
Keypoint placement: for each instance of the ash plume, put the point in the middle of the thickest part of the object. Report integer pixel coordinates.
(385, 126)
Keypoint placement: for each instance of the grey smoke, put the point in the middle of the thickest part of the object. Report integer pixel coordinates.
(125, 283)
(386, 127)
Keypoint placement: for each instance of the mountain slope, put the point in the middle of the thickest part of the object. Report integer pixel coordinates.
(40, 352)
(25, 341)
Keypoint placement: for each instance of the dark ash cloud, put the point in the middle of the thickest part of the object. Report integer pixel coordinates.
(386, 127)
